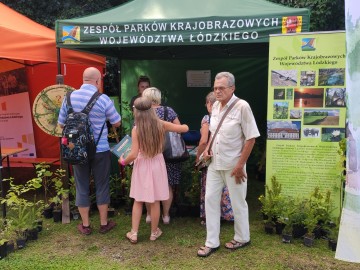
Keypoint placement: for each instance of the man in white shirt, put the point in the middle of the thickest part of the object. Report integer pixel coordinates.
(229, 152)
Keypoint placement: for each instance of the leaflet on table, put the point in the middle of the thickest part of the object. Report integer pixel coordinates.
(123, 147)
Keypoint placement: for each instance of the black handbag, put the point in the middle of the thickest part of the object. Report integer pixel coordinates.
(174, 148)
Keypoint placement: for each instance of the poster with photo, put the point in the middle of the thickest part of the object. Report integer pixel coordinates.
(306, 112)
(15, 114)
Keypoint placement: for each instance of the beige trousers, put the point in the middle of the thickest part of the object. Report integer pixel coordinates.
(215, 181)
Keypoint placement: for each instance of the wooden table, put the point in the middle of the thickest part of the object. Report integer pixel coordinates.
(34, 161)
(6, 152)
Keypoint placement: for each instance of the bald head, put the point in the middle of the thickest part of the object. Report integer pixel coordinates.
(92, 76)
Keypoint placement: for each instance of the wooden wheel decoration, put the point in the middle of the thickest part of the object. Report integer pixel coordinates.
(47, 106)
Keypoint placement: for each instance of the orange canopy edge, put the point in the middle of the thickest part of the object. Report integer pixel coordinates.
(27, 44)
(24, 39)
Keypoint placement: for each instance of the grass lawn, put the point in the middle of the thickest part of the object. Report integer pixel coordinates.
(60, 246)
(308, 120)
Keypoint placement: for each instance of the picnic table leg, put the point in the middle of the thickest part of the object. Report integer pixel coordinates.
(3, 194)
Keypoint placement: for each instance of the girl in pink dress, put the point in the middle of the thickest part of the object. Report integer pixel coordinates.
(149, 182)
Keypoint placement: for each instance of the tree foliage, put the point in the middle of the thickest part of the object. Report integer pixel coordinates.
(47, 12)
(325, 15)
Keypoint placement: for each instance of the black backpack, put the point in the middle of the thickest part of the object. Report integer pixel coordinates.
(78, 143)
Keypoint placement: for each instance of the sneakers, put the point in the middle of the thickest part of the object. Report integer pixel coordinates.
(166, 219)
(109, 226)
(84, 230)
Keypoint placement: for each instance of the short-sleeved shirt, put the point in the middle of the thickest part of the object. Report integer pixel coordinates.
(205, 120)
(171, 114)
(132, 101)
(103, 110)
(238, 126)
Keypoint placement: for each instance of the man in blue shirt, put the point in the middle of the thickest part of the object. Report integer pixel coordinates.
(99, 166)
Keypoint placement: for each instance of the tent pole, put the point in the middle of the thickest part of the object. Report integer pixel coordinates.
(119, 74)
(58, 60)
(59, 77)
(63, 164)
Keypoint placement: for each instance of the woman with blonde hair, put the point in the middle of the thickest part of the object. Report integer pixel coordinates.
(173, 169)
(149, 181)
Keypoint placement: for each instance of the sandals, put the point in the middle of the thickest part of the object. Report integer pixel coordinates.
(206, 251)
(233, 244)
(132, 237)
(155, 235)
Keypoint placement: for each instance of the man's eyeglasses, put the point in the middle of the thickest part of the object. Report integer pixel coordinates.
(221, 88)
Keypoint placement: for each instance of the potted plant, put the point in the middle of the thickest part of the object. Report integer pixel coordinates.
(20, 222)
(4, 238)
(111, 211)
(34, 220)
(21, 237)
(286, 234)
(74, 211)
(310, 222)
(286, 218)
(7, 235)
(125, 184)
(44, 175)
(272, 205)
(60, 194)
(333, 232)
(193, 193)
(322, 205)
(3, 247)
(53, 189)
(23, 209)
(115, 185)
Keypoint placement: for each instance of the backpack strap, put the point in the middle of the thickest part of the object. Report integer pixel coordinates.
(91, 102)
(97, 141)
(88, 106)
(68, 102)
(165, 113)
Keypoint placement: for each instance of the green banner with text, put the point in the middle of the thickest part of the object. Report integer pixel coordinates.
(306, 113)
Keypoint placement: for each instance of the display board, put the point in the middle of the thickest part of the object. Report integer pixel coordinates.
(15, 113)
(306, 112)
(47, 106)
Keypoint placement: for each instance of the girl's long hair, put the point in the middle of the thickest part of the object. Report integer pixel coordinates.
(149, 129)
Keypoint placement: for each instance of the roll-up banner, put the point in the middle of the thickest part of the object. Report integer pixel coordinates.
(306, 113)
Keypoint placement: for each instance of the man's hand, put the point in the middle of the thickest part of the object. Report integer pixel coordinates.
(239, 174)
